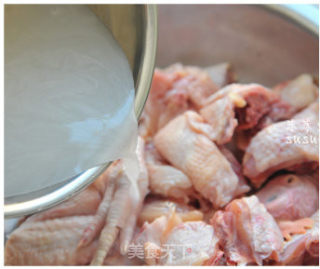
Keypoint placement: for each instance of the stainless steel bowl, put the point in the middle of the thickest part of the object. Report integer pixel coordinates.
(135, 29)
(265, 44)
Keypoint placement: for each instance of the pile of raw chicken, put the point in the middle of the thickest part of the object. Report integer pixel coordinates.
(228, 176)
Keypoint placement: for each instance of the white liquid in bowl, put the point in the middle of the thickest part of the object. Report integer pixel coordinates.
(69, 96)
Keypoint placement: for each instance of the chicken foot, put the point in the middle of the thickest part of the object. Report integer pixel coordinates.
(119, 209)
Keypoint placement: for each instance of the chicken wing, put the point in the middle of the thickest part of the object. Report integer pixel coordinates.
(184, 146)
(50, 242)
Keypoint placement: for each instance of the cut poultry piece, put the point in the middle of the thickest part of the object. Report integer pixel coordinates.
(175, 103)
(163, 104)
(173, 91)
(279, 111)
(190, 243)
(315, 178)
(169, 241)
(310, 118)
(10, 225)
(169, 181)
(152, 155)
(247, 233)
(280, 146)
(296, 95)
(184, 145)
(290, 228)
(152, 236)
(118, 212)
(50, 242)
(299, 92)
(237, 105)
(221, 74)
(243, 186)
(309, 113)
(196, 81)
(114, 222)
(75, 206)
(284, 109)
(157, 208)
(312, 242)
(115, 258)
(165, 179)
(290, 197)
(301, 245)
(221, 117)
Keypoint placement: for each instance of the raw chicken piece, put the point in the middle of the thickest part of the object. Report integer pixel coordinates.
(247, 233)
(152, 236)
(309, 113)
(283, 109)
(169, 182)
(176, 102)
(173, 91)
(54, 218)
(221, 74)
(75, 206)
(236, 105)
(195, 80)
(115, 258)
(157, 208)
(183, 143)
(119, 209)
(279, 146)
(152, 155)
(169, 241)
(312, 243)
(299, 92)
(310, 117)
(162, 104)
(9, 226)
(278, 111)
(165, 179)
(290, 197)
(315, 178)
(295, 96)
(190, 243)
(50, 242)
(302, 245)
(98, 224)
(290, 228)
(243, 187)
(221, 116)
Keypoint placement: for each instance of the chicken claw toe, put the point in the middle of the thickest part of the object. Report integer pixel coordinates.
(121, 212)
(88, 235)
(91, 232)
